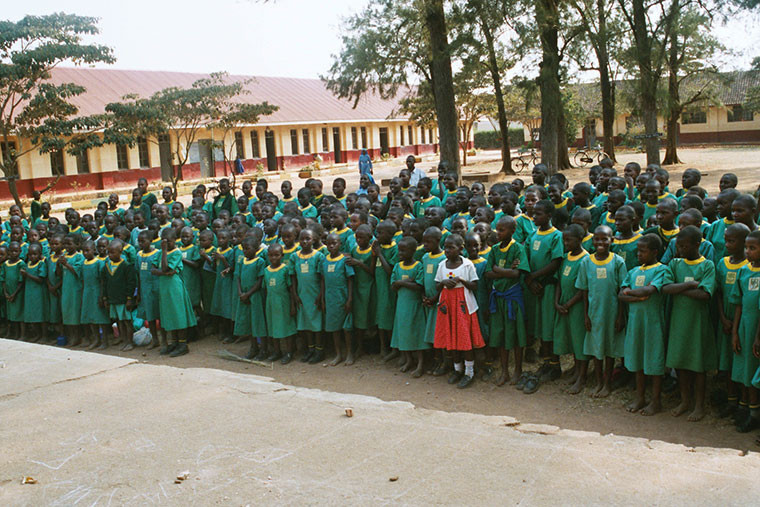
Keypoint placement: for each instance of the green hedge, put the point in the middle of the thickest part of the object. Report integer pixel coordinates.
(491, 139)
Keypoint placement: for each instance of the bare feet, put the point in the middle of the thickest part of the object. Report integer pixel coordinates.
(697, 414)
(653, 408)
(406, 366)
(573, 379)
(103, 346)
(338, 359)
(596, 390)
(350, 360)
(603, 392)
(94, 345)
(393, 354)
(682, 408)
(502, 378)
(635, 405)
(418, 372)
(127, 347)
(153, 344)
(577, 387)
(515, 378)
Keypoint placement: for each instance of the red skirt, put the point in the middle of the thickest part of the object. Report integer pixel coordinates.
(455, 327)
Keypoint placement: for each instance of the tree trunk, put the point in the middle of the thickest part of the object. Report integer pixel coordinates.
(674, 102)
(13, 189)
(607, 88)
(464, 153)
(671, 143)
(563, 158)
(647, 81)
(443, 85)
(551, 98)
(493, 66)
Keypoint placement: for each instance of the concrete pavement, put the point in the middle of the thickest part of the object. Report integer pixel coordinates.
(98, 430)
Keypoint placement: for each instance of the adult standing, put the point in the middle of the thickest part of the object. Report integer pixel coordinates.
(415, 173)
(365, 165)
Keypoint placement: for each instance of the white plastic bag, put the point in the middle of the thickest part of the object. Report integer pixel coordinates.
(142, 337)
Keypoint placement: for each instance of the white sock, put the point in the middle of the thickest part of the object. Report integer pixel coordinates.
(469, 368)
(458, 367)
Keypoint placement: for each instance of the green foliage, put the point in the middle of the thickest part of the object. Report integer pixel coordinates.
(491, 139)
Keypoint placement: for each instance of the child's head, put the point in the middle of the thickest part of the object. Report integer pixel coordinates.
(616, 183)
(363, 236)
(407, 247)
(542, 212)
(288, 235)
(306, 240)
(572, 237)
(581, 194)
(632, 170)
(648, 249)
(593, 174)
(459, 226)
(478, 188)
(725, 201)
(505, 228)
(484, 230)
(602, 241)
(435, 216)
(431, 240)
(495, 195)
(615, 200)
(474, 203)
(652, 191)
(417, 228)
(453, 246)
(710, 208)
(339, 187)
(222, 238)
(463, 197)
(606, 163)
(304, 197)
(338, 217)
(688, 241)
(385, 231)
(690, 178)
(71, 243)
(555, 192)
(484, 214)
(540, 173)
(473, 244)
(274, 254)
(34, 253)
(624, 219)
(286, 188)
(640, 210)
(373, 193)
(115, 248)
(332, 242)
(735, 236)
(641, 183)
(743, 209)
(663, 176)
(728, 180)
(690, 201)
(667, 209)
(424, 186)
(206, 239)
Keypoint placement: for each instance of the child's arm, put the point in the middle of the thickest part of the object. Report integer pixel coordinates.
(408, 284)
(350, 300)
(699, 294)
(294, 300)
(736, 344)
(471, 286)
(497, 272)
(620, 317)
(560, 308)
(586, 318)
(192, 264)
(678, 288)
(356, 263)
(256, 287)
(547, 270)
(34, 278)
(321, 298)
(724, 321)
(756, 343)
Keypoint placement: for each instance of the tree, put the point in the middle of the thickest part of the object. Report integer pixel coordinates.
(753, 94)
(36, 115)
(186, 112)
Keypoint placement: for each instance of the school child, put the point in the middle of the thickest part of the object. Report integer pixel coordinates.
(473, 242)
(94, 317)
(288, 238)
(139, 221)
(728, 180)
(431, 241)
(726, 274)
(363, 300)
(457, 329)
(54, 282)
(666, 229)
(626, 241)
(137, 204)
(192, 264)
(307, 208)
(569, 317)
(716, 231)
(690, 281)
(70, 270)
(582, 217)
(582, 193)
(339, 285)
(117, 289)
(744, 210)
(694, 218)
(206, 250)
(384, 257)
(309, 289)
(644, 346)
(506, 264)
(147, 288)
(424, 187)
(615, 199)
(44, 217)
(280, 306)
(128, 251)
(600, 277)
(338, 220)
(545, 253)
(249, 316)
(631, 172)
(663, 177)
(710, 209)
(221, 301)
(34, 273)
(13, 290)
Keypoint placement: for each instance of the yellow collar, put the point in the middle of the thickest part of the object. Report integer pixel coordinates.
(302, 255)
(547, 231)
(248, 261)
(336, 231)
(290, 250)
(729, 265)
(576, 257)
(143, 254)
(9, 263)
(696, 261)
(225, 250)
(628, 241)
(335, 259)
(644, 268)
(560, 205)
(407, 267)
(366, 250)
(596, 261)
(275, 270)
(506, 248)
(389, 245)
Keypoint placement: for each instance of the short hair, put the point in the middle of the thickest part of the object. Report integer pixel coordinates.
(425, 181)
(626, 209)
(408, 241)
(455, 238)
(693, 214)
(754, 235)
(691, 233)
(693, 201)
(638, 207)
(546, 206)
(430, 231)
(651, 241)
(574, 230)
(582, 214)
(746, 200)
(738, 229)
(507, 221)
(618, 194)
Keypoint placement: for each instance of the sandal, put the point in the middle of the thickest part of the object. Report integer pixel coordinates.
(521, 381)
(466, 381)
(531, 385)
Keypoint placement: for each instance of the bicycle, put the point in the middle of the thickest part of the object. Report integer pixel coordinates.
(586, 155)
(524, 159)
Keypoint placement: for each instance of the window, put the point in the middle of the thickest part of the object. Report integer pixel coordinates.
(56, 163)
(422, 136)
(122, 158)
(364, 137)
(255, 153)
(142, 151)
(411, 137)
(325, 140)
(239, 145)
(690, 117)
(738, 113)
(430, 135)
(294, 141)
(83, 162)
(401, 134)
(354, 138)
(306, 143)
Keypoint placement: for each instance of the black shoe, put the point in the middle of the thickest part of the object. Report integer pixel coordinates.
(487, 373)
(750, 424)
(317, 357)
(551, 372)
(262, 355)
(441, 369)
(466, 381)
(307, 355)
(741, 414)
(275, 356)
(288, 357)
(455, 376)
(179, 350)
(252, 352)
(168, 349)
(521, 381)
(531, 385)
(229, 339)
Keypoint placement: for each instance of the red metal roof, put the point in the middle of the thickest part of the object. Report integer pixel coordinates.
(299, 100)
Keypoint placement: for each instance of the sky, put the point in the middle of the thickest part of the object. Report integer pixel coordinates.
(286, 38)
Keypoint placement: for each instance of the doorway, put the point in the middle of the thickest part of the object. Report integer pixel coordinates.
(206, 158)
(271, 155)
(384, 141)
(165, 156)
(336, 145)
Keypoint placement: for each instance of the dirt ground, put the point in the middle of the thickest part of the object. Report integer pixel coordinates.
(550, 405)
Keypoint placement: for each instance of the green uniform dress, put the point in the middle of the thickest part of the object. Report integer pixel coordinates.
(424, 204)
(715, 234)
(602, 279)
(174, 305)
(36, 293)
(363, 309)
(280, 324)
(665, 236)
(524, 227)
(691, 337)
(249, 317)
(129, 253)
(237, 259)
(409, 317)
(430, 268)
(147, 308)
(288, 253)
(746, 292)
(337, 275)
(644, 347)
(506, 327)
(12, 279)
(221, 302)
(726, 274)
(482, 294)
(385, 298)
(650, 210)
(542, 248)
(191, 275)
(92, 275)
(588, 243)
(309, 211)
(142, 208)
(570, 329)
(347, 240)
(706, 250)
(208, 280)
(564, 205)
(609, 221)
(308, 268)
(54, 301)
(628, 250)
(71, 290)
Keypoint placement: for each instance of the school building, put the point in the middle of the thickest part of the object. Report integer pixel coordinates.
(310, 122)
(727, 122)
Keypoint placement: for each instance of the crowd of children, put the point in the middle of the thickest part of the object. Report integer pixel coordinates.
(617, 271)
